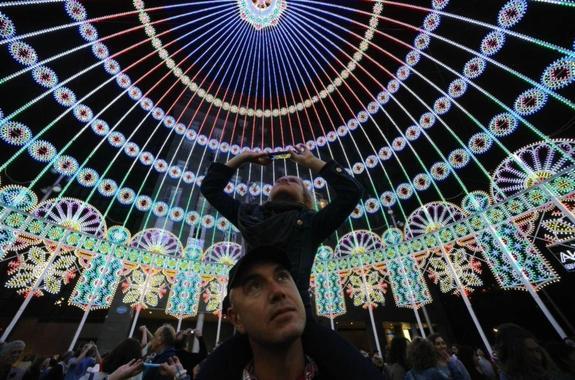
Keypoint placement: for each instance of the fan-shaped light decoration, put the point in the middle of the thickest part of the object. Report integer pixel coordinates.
(431, 217)
(156, 240)
(225, 252)
(38, 272)
(530, 166)
(72, 214)
(358, 243)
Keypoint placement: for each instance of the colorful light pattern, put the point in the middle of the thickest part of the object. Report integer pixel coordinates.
(37, 272)
(307, 76)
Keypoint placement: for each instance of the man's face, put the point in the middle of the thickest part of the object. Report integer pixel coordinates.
(288, 187)
(267, 305)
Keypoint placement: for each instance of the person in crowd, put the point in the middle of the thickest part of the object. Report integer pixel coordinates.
(450, 365)
(266, 308)
(397, 358)
(377, 361)
(422, 358)
(289, 222)
(184, 346)
(162, 346)
(519, 355)
(9, 356)
(146, 338)
(470, 360)
(564, 357)
(125, 361)
(35, 370)
(54, 371)
(76, 367)
(485, 365)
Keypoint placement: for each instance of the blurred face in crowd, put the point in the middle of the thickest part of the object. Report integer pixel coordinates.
(14, 355)
(441, 347)
(157, 341)
(288, 188)
(266, 305)
(533, 351)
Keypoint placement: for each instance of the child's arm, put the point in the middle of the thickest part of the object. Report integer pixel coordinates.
(347, 192)
(218, 177)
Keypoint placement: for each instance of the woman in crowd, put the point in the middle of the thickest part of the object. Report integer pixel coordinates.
(519, 356)
(422, 358)
(397, 358)
(450, 365)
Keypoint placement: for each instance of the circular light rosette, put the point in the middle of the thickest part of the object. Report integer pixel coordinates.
(118, 235)
(458, 158)
(371, 205)
(15, 133)
(404, 191)
(126, 196)
(18, 197)
(42, 151)
(427, 120)
(440, 171)
(476, 201)
(192, 218)
(503, 124)
(357, 212)
(421, 182)
(530, 102)
(160, 209)
(222, 224)
(177, 214)
(88, 177)
(371, 161)
(480, 143)
(208, 221)
(388, 198)
(107, 187)
(474, 68)
(143, 203)
(66, 165)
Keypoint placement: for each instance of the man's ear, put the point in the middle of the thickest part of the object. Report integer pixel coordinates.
(236, 320)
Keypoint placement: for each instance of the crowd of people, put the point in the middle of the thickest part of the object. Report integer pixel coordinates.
(167, 355)
(268, 303)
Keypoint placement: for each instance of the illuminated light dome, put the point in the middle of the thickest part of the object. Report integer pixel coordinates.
(110, 117)
(262, 13)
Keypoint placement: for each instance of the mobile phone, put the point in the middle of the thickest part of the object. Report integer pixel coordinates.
(281, 155)
(151, 365)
